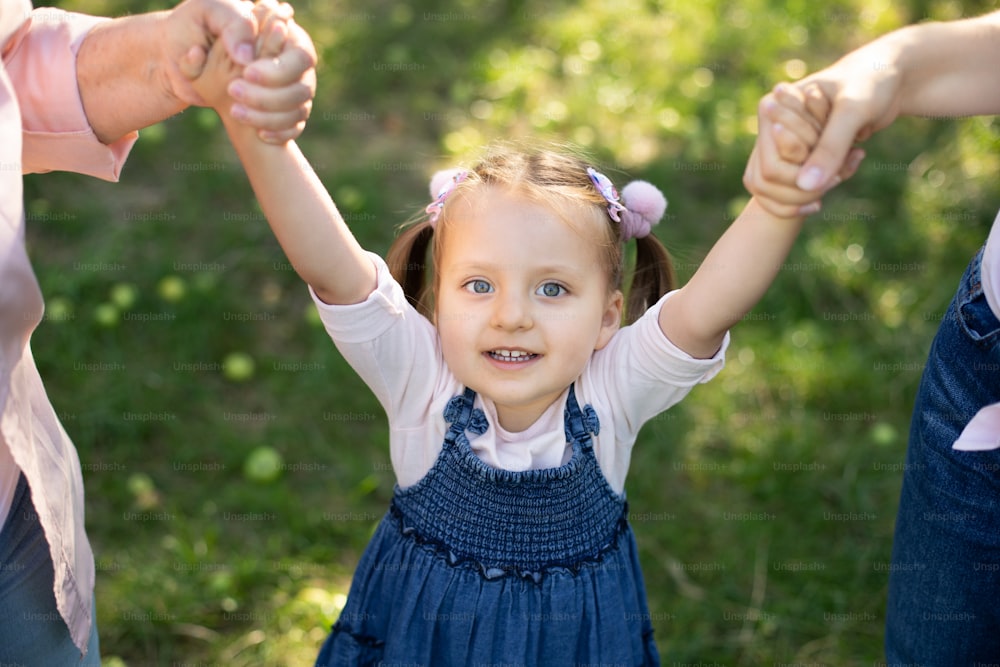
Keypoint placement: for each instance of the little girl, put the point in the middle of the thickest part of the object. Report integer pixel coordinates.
(513, 392)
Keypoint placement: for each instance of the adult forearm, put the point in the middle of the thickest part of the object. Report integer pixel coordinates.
(124, 82)
(948, 69)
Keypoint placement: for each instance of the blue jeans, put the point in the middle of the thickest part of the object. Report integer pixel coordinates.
(32, 633)
(944, 581)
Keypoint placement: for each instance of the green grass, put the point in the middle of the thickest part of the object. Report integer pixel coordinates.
(763, 504)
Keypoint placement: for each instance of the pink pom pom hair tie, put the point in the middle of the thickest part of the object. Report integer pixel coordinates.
(644, 204)
(442, 183)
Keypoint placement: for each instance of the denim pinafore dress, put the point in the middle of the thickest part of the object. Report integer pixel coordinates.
(478, 565)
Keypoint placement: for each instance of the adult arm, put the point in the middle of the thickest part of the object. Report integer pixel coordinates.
(134, 71)
(55, 132)
(929, 69)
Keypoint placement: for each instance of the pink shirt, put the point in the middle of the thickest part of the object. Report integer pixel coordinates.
(397, 352)
(42, 128)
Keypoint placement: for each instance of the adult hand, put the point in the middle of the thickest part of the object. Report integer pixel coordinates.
(275, 93)
(787, 134)
(852, 99)
(769, 176)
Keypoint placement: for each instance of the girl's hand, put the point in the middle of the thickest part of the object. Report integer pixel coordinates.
(271, 86)
(219, 74)
(795, 119)
(272, 28)
(786, 135)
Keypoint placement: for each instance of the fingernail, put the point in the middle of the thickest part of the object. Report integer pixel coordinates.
(811, 179)
(239, 112)
(856, 160)
(778, 128)
(251, 74)
(809, 209)
(244, 54)
(237, 90)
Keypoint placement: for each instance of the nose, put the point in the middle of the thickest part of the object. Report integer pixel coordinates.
(511, 312)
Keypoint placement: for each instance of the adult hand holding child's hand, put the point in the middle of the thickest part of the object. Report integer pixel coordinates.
(273, 91)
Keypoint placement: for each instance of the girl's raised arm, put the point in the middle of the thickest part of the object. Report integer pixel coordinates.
(745, 260)
(306, 222)
(301, 213)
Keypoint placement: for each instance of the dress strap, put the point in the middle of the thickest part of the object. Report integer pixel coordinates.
(580, 423)
(463, 416)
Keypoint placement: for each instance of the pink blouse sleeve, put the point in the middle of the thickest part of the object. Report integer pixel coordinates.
(41, 63)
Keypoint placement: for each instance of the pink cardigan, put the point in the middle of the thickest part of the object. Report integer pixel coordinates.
(43, 128)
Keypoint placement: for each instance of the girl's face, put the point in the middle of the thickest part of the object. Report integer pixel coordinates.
(522, 299)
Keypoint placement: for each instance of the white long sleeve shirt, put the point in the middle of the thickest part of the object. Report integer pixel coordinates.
(397, 352)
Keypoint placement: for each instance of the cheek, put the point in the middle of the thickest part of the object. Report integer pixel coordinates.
(446, 311)
(453, 322)
(458, 342)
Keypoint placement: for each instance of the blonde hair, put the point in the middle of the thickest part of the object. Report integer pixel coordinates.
(545, 176)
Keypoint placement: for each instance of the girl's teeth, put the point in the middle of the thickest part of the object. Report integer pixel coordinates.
(511, 355)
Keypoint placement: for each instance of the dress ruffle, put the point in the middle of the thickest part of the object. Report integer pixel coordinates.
(410, 607)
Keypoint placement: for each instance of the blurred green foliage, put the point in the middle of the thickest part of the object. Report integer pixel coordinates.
(763, 504)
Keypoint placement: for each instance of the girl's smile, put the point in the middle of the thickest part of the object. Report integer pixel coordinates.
(512, 358)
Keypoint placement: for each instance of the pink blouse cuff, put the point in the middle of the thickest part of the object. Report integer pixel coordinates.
(57, 134)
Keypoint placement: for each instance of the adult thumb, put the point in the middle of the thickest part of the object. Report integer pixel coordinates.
(828, 157)
(235, 25)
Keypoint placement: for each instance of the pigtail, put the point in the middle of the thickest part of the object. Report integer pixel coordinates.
(653, 275)
(652, 278)
(407, 256)
(407, 260)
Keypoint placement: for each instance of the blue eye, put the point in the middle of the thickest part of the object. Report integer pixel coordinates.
(551, 289)
(478, 286)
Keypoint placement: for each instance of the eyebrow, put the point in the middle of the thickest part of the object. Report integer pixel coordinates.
(465, 267)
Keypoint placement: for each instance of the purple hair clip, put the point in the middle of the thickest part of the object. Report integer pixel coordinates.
(644, 205)
(607, 190)
(442, 183)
